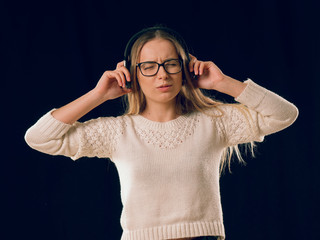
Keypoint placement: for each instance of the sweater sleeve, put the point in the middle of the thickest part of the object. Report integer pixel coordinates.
(94, 138)
(260, 113)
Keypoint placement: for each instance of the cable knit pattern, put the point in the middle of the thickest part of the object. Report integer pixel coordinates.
(169, 135)
(236, 124)
(169, 171)
(98, 137)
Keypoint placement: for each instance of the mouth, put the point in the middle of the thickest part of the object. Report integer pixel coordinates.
(164, 86)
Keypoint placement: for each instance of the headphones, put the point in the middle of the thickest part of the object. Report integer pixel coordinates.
(127, 51)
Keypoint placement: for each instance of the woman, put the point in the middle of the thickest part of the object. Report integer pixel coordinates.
(171, 145)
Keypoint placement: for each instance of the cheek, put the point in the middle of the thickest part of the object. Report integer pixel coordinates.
(145, 83)
(179, 78)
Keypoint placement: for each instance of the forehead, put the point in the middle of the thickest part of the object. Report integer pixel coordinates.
(158, 49)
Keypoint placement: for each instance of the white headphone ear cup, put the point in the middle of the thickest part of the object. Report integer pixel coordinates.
(125, 64)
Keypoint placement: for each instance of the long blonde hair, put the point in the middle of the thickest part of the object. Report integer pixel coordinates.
(189, 99)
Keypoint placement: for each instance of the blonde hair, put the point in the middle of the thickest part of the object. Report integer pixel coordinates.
(189, 99)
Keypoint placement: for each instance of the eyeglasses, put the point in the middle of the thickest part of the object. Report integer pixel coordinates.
(149, 69)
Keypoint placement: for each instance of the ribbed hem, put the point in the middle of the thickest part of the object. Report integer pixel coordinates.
(52, 127)
(182, 230)
(47, 127)
(252, 95)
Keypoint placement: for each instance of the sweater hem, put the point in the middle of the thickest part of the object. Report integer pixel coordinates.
(252, 95)
(182, 230)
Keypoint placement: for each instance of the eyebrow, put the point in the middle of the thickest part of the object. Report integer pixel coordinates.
(168, 59)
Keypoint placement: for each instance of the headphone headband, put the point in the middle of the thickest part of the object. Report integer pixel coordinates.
(133, 39)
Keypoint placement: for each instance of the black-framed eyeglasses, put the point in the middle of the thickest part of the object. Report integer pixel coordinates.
(149, 69)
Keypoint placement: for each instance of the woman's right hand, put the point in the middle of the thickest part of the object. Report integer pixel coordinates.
(112, 84)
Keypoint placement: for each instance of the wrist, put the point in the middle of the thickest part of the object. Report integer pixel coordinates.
(230, 86)
(98, 96)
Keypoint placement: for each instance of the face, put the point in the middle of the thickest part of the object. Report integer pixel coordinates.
(163, 87)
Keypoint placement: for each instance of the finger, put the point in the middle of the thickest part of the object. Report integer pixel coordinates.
(196, 67)
(120, 64)
(191, 63)
(117, 76)
(191, 56)
(201, 67)
(122, 77)
(126, 73)
(126, 90)
(191, 66)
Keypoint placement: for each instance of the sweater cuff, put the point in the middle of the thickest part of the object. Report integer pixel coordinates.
(49, 126)
(252, 95)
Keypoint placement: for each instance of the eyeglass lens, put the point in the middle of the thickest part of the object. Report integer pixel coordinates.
(151, 68)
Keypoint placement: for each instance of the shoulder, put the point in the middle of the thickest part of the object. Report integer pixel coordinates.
(102, 123)
(225, 115)
(225, 110)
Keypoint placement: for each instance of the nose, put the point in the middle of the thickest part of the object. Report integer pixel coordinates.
(162, 74)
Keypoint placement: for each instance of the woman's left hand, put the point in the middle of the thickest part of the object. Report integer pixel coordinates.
(207, 74)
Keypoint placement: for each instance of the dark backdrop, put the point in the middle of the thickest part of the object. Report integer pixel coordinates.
(53, 52)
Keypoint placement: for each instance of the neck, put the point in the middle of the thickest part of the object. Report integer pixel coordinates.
(161, 112)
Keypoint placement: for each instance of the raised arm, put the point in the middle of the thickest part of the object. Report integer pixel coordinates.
(110, 86)
(209, 76)
(56, 132)
(263, 112)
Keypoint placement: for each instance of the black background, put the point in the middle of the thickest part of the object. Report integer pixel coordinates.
(54, 51)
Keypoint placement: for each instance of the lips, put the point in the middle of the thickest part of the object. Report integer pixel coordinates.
(165, 86)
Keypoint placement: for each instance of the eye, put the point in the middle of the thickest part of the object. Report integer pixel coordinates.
(148, 66)
(172, 64)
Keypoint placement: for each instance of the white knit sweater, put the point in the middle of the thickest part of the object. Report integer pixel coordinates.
(169, 171)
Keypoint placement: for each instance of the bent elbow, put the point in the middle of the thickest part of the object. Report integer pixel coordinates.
(30, 139)
(36, 142)
(273, 124)
(66, 146)
(288, 118)
(292, 115)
